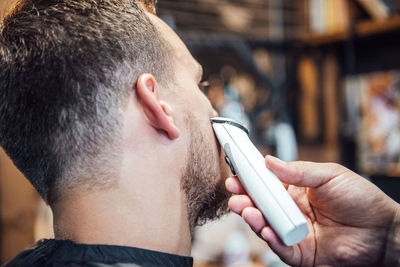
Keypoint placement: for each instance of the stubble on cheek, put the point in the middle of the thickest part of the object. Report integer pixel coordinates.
(201, 180)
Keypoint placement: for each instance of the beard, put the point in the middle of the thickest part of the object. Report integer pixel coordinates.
(201, 181)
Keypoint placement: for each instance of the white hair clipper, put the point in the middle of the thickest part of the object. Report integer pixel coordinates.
(263, 186)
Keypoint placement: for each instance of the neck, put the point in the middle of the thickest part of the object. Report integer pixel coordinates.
(148, 217)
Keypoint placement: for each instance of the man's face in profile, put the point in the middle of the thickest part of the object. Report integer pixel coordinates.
(204, 174)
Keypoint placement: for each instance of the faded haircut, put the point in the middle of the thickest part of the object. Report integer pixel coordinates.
(66, 70)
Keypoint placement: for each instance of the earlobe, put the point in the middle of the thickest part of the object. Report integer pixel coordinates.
(157, 112)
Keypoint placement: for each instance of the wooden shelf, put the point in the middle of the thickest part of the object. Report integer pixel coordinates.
(368, 28)
(392, 170)
(362, 29)
(316, 39)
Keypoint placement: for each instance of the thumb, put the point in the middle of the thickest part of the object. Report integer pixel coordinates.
(303, 173)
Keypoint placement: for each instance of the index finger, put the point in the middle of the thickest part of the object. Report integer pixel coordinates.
(303, 173)
(234, 186)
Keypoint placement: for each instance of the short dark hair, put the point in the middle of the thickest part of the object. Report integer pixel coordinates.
(66, 69)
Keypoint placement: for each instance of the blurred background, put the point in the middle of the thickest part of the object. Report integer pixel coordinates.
(313, 80)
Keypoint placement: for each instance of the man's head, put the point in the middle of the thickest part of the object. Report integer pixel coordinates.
(68, 70)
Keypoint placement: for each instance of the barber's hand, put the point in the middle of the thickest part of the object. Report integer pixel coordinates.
(348, 217)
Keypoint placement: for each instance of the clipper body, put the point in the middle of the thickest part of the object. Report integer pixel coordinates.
(263, 186)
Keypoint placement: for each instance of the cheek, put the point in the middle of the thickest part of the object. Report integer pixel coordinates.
(204, 101)
(219, 156)
(225, 170)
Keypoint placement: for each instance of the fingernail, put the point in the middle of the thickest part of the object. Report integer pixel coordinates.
(265, 234)
(229, 179)
(228, 182)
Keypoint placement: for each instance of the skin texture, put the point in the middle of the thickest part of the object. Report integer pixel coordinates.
(171, 170)
(204, 202)
(350, 220)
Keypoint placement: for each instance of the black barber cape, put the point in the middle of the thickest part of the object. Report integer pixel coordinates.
(52, 252)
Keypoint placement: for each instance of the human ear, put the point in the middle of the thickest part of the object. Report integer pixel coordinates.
(157, 112)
